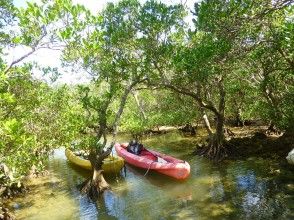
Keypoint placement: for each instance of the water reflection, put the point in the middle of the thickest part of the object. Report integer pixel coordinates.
(232, 190)
(257, 194)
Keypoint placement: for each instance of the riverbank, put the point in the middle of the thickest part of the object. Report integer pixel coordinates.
(5, 214)
(261, 145)
(14, 189)
(250, 141)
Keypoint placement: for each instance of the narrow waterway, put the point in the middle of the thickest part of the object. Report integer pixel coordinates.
(254, 188)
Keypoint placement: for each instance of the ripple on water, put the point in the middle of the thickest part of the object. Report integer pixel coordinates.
(249, 189)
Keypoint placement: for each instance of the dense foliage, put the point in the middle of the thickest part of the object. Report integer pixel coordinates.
(34, 119)
(148, 67)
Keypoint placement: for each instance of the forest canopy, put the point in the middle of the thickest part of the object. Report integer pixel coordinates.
(148, 68)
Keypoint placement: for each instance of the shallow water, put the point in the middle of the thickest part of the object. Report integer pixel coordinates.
(246, 189)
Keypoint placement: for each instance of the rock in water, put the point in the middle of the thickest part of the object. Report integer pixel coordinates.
(290, 157)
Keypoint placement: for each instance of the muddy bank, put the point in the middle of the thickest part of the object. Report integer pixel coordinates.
(259, 144)
(10, 188)
(241, 142)
(254, 141)
(5, 214)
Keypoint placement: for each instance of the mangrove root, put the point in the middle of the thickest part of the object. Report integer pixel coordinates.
(95, 186)
(214, 149)
(272, 130)
(228, 132)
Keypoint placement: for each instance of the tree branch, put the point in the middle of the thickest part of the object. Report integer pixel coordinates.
(34, 48)
(19, 60)
(193, 95)
(122, 105)
(186, 92)
(140, 107)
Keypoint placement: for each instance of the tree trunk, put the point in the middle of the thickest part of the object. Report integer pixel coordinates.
(220, 130)
(216, 149)
(123, 102)
(96, 185)
(121, 108)
(239, 121)
(206, 123)
(135, 94)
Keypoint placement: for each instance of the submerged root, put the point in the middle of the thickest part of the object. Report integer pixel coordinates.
(216, 148)
(272, 130)
(213, 151)
(95, 186)
(5, 214)
(228, 132)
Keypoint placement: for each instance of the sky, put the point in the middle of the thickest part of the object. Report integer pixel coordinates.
(46, 57)
(97, 5)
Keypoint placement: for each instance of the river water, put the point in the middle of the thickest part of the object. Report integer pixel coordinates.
(254, 188)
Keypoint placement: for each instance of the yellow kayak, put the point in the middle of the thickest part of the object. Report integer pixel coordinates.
(110, 164)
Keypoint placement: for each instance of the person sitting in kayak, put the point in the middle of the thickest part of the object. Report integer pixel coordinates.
(135, 147)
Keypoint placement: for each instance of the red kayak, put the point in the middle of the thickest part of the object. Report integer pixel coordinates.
(152, 160)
